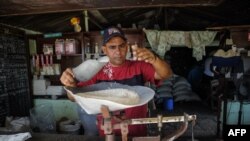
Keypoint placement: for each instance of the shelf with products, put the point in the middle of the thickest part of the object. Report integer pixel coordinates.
(87, 46)
(86, 43)
(50, 56)
(65, 50)
(93, 47)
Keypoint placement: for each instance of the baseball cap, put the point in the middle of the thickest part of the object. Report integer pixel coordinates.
(112, 32)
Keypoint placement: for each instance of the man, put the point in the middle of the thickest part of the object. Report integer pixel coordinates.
(147, 68)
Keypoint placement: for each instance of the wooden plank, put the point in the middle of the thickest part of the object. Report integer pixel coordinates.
(99, 16)
(13, 7)
(62, 137)
(241, 27)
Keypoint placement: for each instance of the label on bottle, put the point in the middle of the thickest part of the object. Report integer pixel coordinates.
(96, 48)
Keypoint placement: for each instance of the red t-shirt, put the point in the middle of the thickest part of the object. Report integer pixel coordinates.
(130, 73)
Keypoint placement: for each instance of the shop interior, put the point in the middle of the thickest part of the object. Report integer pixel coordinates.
(206, 43)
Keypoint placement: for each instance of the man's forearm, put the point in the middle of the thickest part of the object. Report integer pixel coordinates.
(162, 68)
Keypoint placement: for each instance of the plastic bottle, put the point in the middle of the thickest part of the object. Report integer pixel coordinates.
(87, 48)
(96, 48)
(128, 56)
(169, 104)
(134, 47)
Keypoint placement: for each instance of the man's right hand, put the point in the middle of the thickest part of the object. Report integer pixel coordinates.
(67, 78)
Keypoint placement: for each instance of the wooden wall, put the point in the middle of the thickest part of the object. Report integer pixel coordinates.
(240, 38)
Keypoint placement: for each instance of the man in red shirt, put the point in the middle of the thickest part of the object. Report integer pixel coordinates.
(146, 68)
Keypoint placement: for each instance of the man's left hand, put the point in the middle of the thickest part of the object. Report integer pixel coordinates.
(143, 54)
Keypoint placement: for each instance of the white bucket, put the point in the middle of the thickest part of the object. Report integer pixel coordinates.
(70, 127)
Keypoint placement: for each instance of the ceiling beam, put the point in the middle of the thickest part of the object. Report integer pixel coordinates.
(229, 27)
(98, 16)
(93, 20)
(207, 13)
(26, 7)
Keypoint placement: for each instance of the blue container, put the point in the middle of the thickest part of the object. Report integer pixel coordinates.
(169, 104)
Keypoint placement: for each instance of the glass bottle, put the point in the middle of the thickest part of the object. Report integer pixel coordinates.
(96, 48)
(87, 48)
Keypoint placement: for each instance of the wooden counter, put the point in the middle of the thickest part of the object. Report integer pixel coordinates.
(61, 137)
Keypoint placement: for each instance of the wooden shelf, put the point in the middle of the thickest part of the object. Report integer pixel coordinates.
(50, 96)
(65, 55)
(54, 79)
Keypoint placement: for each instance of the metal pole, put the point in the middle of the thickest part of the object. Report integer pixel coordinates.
(86, 20)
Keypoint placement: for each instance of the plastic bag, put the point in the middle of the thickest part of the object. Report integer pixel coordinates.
(42, 118)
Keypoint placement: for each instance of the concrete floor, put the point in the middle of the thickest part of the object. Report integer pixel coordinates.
(205, 127)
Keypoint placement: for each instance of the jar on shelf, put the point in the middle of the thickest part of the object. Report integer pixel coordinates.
(70, 46)
(96, 48)
(59, 46)
(87, 48)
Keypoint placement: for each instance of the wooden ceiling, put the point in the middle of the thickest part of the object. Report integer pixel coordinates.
(54, 16)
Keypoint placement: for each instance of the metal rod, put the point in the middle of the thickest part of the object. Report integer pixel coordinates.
(86, 18)
(164, 119)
